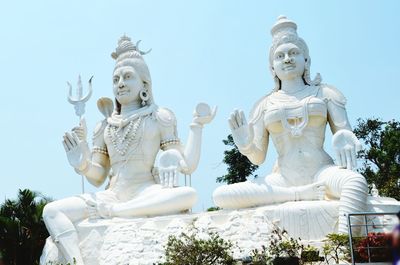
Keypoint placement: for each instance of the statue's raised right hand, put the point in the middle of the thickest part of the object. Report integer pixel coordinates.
(242, 132)
(77, 151)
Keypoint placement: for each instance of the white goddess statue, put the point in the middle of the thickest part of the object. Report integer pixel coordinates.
(125, 146)
(295, 116)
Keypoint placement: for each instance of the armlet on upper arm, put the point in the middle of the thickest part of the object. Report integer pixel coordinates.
(167, 122)
(336, 103)
(99, 146)
(333, 95)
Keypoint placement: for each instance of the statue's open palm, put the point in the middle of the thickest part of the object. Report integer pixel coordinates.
(171, 163)
(242, 132)
(77, 150)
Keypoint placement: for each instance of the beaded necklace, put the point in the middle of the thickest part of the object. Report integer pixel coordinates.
(121, 142)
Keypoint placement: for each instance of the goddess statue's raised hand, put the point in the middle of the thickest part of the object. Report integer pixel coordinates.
(242, 132)
(77, 151)
(346, 146)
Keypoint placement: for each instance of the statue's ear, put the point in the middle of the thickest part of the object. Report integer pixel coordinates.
(146, 85)
(106, 106)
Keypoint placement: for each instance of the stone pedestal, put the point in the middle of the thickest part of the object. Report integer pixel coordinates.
(142, 240)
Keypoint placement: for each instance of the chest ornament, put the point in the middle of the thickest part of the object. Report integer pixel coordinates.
(122, 141)
(297, 114)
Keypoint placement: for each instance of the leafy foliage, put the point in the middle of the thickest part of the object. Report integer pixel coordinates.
(336, 247)
(22, 231)
(213, 209)
(310, 254)
(381, 156)
(281, 246)
(190, 248)
(239, 166)
(260, 257)
(376, 246)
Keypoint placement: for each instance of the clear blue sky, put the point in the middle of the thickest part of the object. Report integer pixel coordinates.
(211, 51)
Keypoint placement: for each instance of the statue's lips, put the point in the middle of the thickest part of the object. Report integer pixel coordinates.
(123, 92)
(290, 67)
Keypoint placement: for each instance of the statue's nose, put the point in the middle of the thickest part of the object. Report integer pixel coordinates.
(289, 60)
(121, 84)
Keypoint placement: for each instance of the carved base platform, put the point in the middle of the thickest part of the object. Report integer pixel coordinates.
(141, 240)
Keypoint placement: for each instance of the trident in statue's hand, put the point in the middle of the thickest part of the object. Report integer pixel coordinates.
(79, 104)
(80, 100)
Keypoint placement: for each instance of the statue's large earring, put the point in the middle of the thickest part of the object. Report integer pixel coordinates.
(144, 96)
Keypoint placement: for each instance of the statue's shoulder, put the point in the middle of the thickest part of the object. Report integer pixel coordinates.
(329, 92)
(165, 116)
(259, 107)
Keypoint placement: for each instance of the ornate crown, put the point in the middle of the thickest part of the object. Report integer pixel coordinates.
(125, 45)
(284, 30)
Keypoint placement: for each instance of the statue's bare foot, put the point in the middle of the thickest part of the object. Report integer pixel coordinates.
(315, 191)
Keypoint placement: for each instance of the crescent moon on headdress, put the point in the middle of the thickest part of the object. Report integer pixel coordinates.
(141, 52)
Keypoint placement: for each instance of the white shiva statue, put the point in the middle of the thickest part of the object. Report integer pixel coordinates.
(125, 146)
(294, 115)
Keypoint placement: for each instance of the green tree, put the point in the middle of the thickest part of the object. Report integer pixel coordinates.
(22, 231)
(239, 166)
(381, 156)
